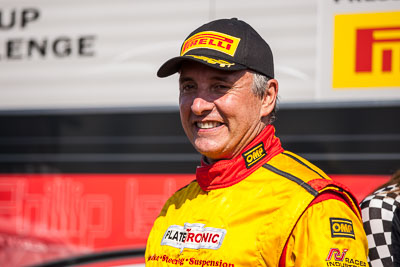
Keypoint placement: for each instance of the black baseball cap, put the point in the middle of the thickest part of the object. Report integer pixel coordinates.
(226, 44)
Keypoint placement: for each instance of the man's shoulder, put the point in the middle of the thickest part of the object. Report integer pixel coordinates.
(189, 191)
(295, 165)
(191, 188)
(299, 172)
(193, 185)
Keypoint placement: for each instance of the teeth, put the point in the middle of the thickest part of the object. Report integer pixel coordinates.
(208, 124)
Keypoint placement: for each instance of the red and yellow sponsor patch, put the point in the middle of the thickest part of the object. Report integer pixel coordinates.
(211, 40)
(366, 50)
(337, 257)
(336, 254)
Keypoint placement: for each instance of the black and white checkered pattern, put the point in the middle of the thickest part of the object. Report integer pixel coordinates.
(377, 212)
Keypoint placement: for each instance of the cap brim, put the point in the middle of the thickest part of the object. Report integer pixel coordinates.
(173, 65)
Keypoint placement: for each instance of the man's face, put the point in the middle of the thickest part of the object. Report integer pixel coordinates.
(219, 112)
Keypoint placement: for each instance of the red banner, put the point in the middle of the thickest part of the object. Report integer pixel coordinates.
(50, 216)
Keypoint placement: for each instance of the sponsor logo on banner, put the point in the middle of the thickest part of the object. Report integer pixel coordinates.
(254, 155)
(365, 41)
(194, 236)
(211, 40)
(366, 50)
(341, 227)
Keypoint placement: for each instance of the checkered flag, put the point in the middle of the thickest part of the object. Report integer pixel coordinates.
(377, 212)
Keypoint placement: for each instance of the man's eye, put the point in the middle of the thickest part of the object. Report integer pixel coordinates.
(186, 88)
(221, 87)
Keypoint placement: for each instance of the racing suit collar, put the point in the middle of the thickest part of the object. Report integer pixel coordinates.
(225, 173)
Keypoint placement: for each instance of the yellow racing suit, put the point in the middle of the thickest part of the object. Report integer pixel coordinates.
(266, 207)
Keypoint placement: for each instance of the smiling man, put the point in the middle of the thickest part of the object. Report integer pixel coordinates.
(252, 203)
(219, 112)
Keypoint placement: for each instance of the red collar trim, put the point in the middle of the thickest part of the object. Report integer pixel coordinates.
(225, 173)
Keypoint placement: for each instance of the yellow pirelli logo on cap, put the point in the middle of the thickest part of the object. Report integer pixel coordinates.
(211, 40)
(366, 50)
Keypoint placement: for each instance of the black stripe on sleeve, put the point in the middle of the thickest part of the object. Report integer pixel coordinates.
(303, 163)
(293, 178)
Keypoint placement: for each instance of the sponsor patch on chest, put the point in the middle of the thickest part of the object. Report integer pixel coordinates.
(194, 236)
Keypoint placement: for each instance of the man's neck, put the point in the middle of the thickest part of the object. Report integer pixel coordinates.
(209, 161)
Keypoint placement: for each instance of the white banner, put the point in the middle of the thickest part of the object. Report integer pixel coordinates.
(62, 54)
(58, 54)
(83, 54)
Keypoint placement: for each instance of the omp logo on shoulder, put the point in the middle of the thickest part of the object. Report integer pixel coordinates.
(254, 155)
(194, 236)
(366, 50)
(211, 40)
(341, 227)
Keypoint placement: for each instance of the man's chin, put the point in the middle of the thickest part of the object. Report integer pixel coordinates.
(211, 155)
(210, 148)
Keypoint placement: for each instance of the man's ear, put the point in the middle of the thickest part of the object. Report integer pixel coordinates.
(270, 97)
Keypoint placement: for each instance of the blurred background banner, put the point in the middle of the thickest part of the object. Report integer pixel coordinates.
(84, 54)
(101, 54)
(359, 50)
(45, 217)
(91, 211)
(91, 143)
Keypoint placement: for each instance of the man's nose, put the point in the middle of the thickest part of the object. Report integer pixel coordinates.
(201, 105)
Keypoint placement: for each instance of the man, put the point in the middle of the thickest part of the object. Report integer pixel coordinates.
(252, 203)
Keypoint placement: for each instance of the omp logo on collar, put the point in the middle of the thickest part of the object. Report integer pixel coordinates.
(342, 228)
(222, 63)
(194, 236)
(254, 155)
(212, 40)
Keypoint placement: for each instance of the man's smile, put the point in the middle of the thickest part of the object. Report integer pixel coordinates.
(208, 124)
